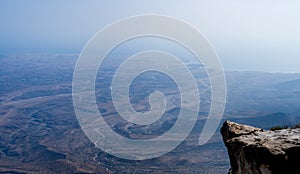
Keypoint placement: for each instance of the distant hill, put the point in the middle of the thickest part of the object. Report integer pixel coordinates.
(268, 121)
(289, 85)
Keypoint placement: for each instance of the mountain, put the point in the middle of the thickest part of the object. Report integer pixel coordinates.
(39, 132)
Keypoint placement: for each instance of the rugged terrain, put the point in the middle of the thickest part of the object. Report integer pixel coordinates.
(256, 151)
(39, 132)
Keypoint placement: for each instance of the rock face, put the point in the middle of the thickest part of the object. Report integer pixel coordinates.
(255, 151)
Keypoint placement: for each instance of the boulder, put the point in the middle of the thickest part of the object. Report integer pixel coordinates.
(255, 151)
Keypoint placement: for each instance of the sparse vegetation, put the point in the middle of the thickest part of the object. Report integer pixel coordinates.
(296, 126)
(277, 127)
(274, 128)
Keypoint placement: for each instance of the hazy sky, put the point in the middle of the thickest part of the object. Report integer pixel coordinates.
(247, 34)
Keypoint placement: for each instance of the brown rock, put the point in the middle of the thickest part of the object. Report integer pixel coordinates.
(255, 151)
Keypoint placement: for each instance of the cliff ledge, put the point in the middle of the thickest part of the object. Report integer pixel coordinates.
(255, 151)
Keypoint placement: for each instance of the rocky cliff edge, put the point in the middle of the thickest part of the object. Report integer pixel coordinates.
(255, 151)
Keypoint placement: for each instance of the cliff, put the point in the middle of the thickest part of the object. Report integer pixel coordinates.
(255, 151)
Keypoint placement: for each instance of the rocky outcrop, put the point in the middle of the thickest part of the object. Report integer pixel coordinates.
(255, 151)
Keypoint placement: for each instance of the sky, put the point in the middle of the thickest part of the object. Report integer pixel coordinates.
(257, 35)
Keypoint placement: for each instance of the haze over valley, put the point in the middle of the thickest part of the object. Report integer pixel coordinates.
(40, 133)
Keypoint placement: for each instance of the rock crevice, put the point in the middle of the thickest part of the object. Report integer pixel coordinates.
(255, 151)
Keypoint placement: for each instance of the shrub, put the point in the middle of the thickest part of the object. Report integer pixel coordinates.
(278, 128)
(296, 126)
